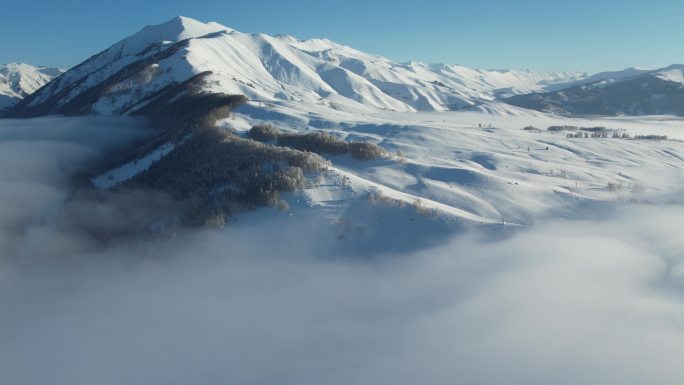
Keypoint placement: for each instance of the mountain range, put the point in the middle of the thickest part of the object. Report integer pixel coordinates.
(629, 92)
(283, 69)
(129, 74)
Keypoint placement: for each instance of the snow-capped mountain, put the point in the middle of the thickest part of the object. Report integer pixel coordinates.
(18, 80)
(129, 74)
(628, 92)
(240, 118)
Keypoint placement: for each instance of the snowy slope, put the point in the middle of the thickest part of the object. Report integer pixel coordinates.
(17, 80)
(458, 170)
(270, 69)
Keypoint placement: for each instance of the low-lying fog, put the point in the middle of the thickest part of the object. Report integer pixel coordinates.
(564, 302)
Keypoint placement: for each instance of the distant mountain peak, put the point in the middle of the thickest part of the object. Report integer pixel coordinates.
(18, 80)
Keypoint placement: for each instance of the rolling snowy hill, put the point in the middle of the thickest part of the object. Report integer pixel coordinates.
(18, 80)
(126, 76)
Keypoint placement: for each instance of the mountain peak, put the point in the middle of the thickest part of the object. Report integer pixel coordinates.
(185, 19)
(187, 25)
(177, 29)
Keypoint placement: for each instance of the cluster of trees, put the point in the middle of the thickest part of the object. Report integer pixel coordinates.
(562, 128)
(618, 186)
(213, 173)
(191, 110)
(177, 112)
(575, 128)
(264, 133)
(614, 135)
(319, 142)
(366, 150)
(651, 137)
(216, 173)
(375, 196)
(595, 132)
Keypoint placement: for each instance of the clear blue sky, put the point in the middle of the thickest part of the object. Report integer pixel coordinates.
(584, 35)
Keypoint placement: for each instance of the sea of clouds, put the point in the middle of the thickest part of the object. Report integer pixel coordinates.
(564, 302)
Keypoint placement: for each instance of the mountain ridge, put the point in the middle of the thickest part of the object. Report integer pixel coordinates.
(628, 92)
(285, 70)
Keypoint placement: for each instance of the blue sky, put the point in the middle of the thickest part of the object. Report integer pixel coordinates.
(543, 35)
